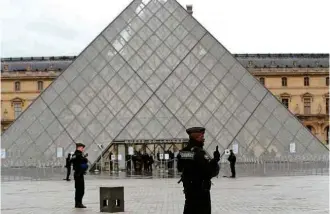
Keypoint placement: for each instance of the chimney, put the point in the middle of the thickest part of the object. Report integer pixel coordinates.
(189, 9)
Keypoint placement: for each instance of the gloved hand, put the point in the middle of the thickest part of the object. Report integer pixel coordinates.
(216, 154)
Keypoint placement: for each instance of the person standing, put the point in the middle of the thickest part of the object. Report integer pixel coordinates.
(68, 167)
(232, 161)
(197, 172)
(79, 162)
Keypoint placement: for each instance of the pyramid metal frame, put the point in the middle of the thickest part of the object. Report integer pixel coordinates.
(247, 114)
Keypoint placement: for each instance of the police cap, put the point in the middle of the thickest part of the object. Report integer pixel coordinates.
(80, 145)
(195, 130)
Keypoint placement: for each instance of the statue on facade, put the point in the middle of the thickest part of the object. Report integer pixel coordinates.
(297, 110)
(319, 109)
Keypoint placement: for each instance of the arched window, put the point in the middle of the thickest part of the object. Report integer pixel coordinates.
(17, 86)
(40, 85)
(284, 81)
(306, 81)
(262, 80)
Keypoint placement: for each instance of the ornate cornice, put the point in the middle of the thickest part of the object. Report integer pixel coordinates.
(307, 95)
(17, 100)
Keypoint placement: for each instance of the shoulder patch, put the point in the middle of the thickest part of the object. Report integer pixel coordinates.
(187, 155)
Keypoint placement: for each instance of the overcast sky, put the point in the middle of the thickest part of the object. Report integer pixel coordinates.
(65, 27)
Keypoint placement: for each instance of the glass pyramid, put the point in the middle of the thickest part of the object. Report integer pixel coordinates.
(152, 73)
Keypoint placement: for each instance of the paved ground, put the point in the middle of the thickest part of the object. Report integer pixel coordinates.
(309, 194)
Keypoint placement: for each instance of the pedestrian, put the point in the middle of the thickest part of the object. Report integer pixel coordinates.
(79, 162)
(197, 171)
(68, 167)
(232, 162)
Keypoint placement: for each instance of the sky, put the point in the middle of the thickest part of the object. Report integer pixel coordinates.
(66, 27)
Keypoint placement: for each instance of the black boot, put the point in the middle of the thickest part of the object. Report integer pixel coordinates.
(80, 206)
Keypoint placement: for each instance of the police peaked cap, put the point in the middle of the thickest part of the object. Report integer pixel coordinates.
(195, 130)
(80, 145)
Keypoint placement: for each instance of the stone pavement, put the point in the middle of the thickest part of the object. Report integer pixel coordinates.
(305, 194)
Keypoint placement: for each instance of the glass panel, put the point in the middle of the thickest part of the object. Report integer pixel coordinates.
(118, 43)
(163, 51)
(273, 125)
(35, 130)
(189, 23)
(88, 73)
(201, 92)
(135, 62)
(55, 129)
(193, 122)
(248, 81)
(200, 71)
(87, 95)
(182, 92)
(117, 62)
(172, 82)
(69, 74)
(74, 129)
(264, 137)
(63, 140)
(145, 72)
(144, 116)
(227, 60)
(163, 93)
(284, 136)
(171, 23)
(162, 14)
(191, 82)
(134, 105)
(180, 32)
(59, 84)
(103, 139)
(153, 42)
(240, 92)
(213, 126)
(144, 134)
(192, 103)
(115, 105)
(57, 106)
(238, 71)
(173, 104)
(281, 113)
(276, 149)
(212, 103)
(259, 91)
(208, 41)
(262, 114)
(127, 33)
(250, 103)
(125, 93)
(99, 43)
(183, 114)
(145, 52)
(221, 92)
(107, 73)
(219, 71)
(96, 105)
(174, 127)
(85, 117)
(222, 114)
(217, 50)
(179, 13)
(242, 114)
(255, 149)
(116, 83)
(172, 61)
(77, 85)
(163, 115)
(154, 127)
(181, 51)
(104, 95)
(292, 125)
(190, 61)
(304, 136)
(162, 72)
(124, 116)
(134, 128)
(135, 83)
(210, 81)
(317, 147)
(181, 71)
(108, 53)
(163, 32)
(97, 84)
(84, 138)
(94, 128)
(153, 82)
(229, 81)
(233, 126)
(198, 31)
(253, 125)
(98, 63)
(171, 5)
(244, 137)
(144, 93)
(203, 115)
(231, 103)
(270, 102)
(209, 61)
(154, 62)
(172, 42)
(127, 52)
(49, 95)
(66, 117)
(224, 138)
(105, 116)
(76, 106)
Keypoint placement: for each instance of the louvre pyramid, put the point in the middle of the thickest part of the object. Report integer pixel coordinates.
(153, 72)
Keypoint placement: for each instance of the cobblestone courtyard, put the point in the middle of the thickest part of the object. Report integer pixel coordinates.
(305, 194)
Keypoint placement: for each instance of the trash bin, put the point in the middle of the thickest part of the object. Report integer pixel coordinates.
(112, 199)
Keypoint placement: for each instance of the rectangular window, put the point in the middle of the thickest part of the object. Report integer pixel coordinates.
(306, 81)
(17, 109)
(307, 106)
(40, 85)
(327, 105)
(285, 102)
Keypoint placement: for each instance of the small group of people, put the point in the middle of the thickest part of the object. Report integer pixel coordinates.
(141, 162)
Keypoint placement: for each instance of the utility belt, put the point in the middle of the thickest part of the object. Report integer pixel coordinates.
(198, 185)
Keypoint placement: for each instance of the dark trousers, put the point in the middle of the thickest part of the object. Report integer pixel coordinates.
(79, 185)
(197, 202)
(232, 169)
(68, 172)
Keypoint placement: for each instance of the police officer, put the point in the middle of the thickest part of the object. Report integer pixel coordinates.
(197, 171)
(232, 161)
(79, 162)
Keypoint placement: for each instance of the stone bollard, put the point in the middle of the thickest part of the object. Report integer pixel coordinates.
(111, 199)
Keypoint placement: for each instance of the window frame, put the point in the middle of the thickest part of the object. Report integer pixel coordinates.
(17, 105)
(309, 99)
(42, 85)
(17, 86)
(284, 80)
(306, 81)
(262, 81)
(287, 99)
(327, 81)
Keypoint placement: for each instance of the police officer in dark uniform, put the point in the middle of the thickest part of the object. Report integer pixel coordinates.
(197, 171)
(79, 162)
